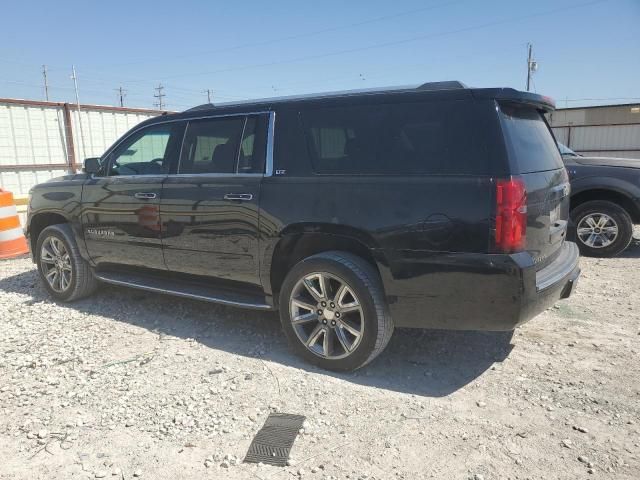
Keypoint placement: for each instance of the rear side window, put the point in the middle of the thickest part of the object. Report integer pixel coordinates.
(530, 142)
(253, 147)
(395, 139)
(211, 146)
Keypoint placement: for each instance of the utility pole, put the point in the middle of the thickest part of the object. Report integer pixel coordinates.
(209, 92)
(121, 94)
(74, 77)
(46, 83)
(532, 66)
(160, 104)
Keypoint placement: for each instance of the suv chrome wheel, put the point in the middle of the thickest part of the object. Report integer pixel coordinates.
(326, 315)
(597, 230)
(56, 264)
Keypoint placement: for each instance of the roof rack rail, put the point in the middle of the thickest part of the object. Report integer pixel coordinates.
(446, 85)
(204, 106)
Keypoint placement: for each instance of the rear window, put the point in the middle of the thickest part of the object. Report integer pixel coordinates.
(529, 140)
(394, 139)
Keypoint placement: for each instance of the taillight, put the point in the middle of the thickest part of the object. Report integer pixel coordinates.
(511, 215)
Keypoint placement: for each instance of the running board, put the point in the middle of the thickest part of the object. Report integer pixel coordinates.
(194, 291)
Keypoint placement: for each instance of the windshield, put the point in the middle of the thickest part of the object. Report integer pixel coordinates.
(564, 150)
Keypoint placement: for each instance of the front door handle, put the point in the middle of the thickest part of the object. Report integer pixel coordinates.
(145, 195)
(238, 196)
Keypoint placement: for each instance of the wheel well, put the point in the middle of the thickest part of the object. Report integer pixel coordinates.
(609, 195)
(293, 248)
(41, 221)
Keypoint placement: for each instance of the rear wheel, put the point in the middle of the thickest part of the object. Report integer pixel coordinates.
(64, 273)
(333, 311)
(603, 228)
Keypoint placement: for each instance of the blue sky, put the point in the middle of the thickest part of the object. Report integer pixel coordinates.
(586, 49)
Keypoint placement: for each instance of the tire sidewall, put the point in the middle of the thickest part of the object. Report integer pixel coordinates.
(60, 234)
(618, 214)
(362, 352)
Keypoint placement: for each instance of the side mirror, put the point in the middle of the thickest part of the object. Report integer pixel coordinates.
(91, 165)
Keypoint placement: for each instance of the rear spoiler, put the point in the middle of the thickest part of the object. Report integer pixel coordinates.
(511, 95)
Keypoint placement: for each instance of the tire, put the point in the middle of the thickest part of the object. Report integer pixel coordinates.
(77, 272)
(587, 217)
(361, 307)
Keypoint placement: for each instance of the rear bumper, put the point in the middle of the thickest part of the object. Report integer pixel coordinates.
(476, 291)
(554, 282)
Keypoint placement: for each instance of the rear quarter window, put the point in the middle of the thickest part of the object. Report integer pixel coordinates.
(417, 138)
(531, 145)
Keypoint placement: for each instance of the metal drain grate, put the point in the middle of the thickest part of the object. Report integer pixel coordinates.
(274, 440)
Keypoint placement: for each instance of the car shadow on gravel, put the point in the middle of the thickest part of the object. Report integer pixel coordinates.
(633, 250)
(421, 362)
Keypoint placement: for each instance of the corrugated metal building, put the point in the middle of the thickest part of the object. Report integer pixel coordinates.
(41, 140)
(603, 131)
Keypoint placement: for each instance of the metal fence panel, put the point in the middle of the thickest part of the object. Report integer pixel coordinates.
(33, 138)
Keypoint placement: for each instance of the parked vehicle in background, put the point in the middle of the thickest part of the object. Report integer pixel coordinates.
(605, 201)
(436, 206)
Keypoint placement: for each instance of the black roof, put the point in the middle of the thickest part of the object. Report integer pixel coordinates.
(446, 89)
(431, 86)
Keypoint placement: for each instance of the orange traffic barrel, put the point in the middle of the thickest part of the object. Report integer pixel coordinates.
(12, 241)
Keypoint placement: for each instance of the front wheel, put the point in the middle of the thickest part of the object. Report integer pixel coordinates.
(64, 273)
(603, 228)
(333, 311)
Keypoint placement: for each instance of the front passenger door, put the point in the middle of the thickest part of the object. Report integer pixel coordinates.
(121, 214)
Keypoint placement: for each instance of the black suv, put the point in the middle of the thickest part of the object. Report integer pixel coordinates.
(438, 206)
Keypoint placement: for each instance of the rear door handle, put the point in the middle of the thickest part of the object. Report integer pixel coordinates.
(238, 196)
(145, 195)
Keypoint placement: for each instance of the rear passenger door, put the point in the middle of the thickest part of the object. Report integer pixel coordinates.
(209, 207)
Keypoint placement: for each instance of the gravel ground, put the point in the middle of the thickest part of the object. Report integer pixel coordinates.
(129, 384)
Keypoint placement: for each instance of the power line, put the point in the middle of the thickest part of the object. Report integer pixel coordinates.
(379, 45)
(395, 42)
(295, 36)
(160, 95)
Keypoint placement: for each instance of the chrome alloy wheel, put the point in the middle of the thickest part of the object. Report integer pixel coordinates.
(326, 315)
(597, 230)
(56, 264)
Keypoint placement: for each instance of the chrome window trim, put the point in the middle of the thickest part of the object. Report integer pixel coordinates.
(244, 127)
(269, 149)
(216, 175)
(186, 120)
(163, 175)
(268, 170)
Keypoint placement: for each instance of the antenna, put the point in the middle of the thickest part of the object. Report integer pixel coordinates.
(209, 93)
(160, 103)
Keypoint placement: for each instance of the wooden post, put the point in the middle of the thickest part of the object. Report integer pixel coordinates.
(68, 128)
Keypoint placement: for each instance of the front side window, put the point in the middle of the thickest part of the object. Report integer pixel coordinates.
(144, 153)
